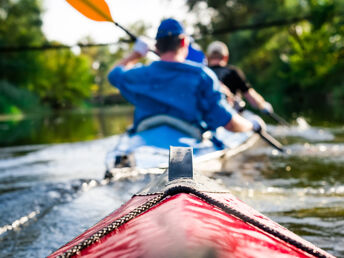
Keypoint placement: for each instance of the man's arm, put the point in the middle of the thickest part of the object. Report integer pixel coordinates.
(229, 95)
(257, 101)
(254, 98)
(239, 124)
(238, 80)
(217, 111)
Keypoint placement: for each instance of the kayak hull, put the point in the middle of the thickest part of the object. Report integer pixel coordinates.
(186, 225)
(182, 213)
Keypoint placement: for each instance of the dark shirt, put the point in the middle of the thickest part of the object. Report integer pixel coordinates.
(232, 77)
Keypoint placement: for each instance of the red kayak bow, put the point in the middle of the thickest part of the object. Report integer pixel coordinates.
(187, 217)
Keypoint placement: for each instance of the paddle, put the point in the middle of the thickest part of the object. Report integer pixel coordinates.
(271, 140)
(278, 119)
(260, 130)
(97, 10)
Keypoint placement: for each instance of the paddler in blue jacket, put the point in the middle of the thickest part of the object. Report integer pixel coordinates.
(174, 86)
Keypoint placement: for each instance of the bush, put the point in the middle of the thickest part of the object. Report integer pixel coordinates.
(15, 100)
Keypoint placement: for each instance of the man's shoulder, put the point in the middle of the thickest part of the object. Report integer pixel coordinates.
(220, 67)
(221, 71)
(122, 69)
(201, 69)
(190, 67)
(235, 69)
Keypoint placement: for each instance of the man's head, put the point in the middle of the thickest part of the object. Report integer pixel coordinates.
(171, 37)
(217, 53)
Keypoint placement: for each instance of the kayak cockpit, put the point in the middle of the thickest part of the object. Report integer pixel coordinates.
(148, 146)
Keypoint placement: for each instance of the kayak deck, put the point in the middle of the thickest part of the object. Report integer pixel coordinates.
(188, 225)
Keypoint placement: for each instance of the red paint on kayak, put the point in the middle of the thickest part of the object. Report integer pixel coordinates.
(123, 210)
(185, 226)
(232, 201)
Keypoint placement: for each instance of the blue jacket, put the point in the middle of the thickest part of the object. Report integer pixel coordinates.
(188, 91)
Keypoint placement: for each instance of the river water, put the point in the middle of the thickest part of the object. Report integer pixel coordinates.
(51, 186)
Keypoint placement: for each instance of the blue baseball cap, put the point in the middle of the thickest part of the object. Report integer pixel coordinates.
(169, 27)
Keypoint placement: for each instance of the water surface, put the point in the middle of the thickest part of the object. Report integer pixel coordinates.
(51, 186)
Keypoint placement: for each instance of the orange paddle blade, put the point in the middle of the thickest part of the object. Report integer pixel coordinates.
(96, 10)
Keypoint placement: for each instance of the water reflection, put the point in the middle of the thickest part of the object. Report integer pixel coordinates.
(66, 126)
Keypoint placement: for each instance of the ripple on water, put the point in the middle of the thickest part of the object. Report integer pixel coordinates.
(64, 220)
(324, 151)
(303, 131)
(303, 189)
(36, 179)
(314, 213)
(49, 195)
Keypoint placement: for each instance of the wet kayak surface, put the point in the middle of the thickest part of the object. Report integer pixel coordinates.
(50, 193)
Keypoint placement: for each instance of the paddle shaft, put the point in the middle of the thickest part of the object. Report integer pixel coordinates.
(131, 35)
(133, 38)
(271, 141)
(278, 119)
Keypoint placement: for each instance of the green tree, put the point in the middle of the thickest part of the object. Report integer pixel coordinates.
(20, 24)
(294, 62)
(14, 99)
(316, 56)
(60, 78)
(64, 80)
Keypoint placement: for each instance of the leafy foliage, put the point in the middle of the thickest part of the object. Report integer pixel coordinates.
(299, 63)
(13, 99)
(59, 79)
(295, 63)
(20, 24)
(64, 79)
